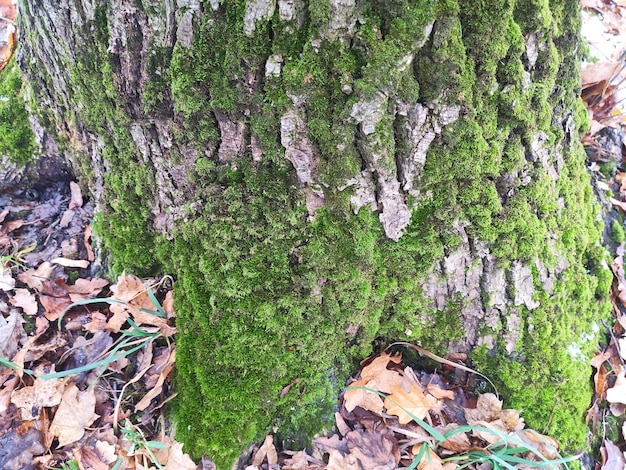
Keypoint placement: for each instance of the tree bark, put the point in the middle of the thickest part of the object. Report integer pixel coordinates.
(324, 177)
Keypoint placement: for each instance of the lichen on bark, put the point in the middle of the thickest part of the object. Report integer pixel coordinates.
(321, 176)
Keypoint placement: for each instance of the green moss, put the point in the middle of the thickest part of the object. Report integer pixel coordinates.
(17, 141)
(618, 235)
(266, 297)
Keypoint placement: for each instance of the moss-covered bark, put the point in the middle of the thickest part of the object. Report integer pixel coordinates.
(324, 176)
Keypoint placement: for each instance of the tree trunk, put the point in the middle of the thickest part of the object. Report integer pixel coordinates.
(323, 177)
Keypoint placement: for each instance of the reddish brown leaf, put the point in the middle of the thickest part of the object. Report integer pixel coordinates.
(53, 306)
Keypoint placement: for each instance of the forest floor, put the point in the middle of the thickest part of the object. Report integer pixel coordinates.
(86, 365)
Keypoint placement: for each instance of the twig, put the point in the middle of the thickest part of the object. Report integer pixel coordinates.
(619, 355)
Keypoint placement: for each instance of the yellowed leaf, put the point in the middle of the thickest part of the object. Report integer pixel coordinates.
(401, 403)
(75, 413)
(387, 379)
(365, 399)
(429, 461)
(379, 365)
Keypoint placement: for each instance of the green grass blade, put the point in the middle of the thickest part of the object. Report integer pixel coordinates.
(104, 362)
(418, 457)
(160, 312)
(14, 366)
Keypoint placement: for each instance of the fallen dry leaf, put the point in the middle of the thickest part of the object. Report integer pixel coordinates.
(613, 457)
(401, 403)
(617, 393)
(76, 197)
(33, 278)
(7, 283)
(178, 460)
(379, 365)
(43, 393)
(54, 306)
(430, 460)
(75, 413)
(374, 449)
(488, 408)
(356, 395)
(155, 390)
(11, 334)
(24, 299)
(71, 263)
(438, 392)
(266, 451)
(458, 442)
(546, 445)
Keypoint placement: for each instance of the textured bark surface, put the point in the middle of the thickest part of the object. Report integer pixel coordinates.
(321, 174)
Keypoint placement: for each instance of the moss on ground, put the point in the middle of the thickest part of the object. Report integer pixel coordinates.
(266, 297)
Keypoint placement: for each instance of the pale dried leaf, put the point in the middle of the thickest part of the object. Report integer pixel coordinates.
(365, 399)
(91, 287)
(617, 393)
(430, 460)
(178, 460)
(76, 198)
(546, 445)
(75, 413)
(341, 424)
(168, 305)
(496, 426)
(386, 379)
(106, 451)
(266, 451)
(71, 263)
(11, 334)
(614, 457)
(599, 72)
(458, 442)
(155, 390)
(24, 299)
(7, 283)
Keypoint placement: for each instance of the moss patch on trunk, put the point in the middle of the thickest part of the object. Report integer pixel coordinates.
(266, 296)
